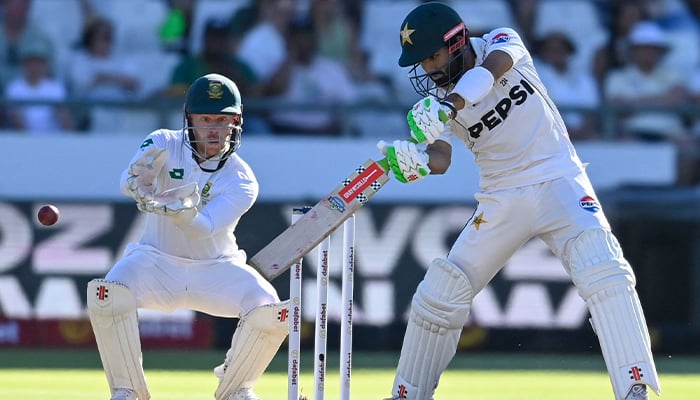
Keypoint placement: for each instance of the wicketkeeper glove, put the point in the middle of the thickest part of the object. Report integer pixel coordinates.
(428, 117)
(180, 202)
(407, 162)
(143, 173)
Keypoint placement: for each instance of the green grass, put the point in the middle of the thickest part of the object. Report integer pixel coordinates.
(172, 375)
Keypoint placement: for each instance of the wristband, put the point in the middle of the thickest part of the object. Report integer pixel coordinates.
(474, 85)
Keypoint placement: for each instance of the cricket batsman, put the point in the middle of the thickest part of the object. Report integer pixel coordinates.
(194, 188)
(485, 92)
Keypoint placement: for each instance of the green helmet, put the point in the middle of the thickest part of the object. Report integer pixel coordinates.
(426, 29)
(213, 94)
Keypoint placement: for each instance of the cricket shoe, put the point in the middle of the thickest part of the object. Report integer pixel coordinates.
(124, 394)
(638, 392)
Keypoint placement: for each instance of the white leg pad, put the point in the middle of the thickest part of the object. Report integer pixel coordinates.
(438, 312)
(606, 282)
(112, 310)
(257, 338)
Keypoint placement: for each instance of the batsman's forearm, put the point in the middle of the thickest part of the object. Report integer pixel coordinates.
(456, 100)
(439, 157)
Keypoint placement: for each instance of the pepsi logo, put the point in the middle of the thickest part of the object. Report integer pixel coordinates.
(588, 203)
(500, 38)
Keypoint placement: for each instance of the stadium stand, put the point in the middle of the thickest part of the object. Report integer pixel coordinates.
(482, 16)
(137, 23)
(578, 18)
(62, 21)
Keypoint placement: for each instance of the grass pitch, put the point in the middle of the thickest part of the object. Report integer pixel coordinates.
(76, 375)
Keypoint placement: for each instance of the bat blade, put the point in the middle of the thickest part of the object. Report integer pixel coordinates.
(321, 220)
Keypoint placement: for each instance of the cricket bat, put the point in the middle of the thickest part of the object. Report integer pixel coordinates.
(321, 220)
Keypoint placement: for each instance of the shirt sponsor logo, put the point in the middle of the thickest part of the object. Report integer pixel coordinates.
(588, 203)
(492, 118)
(500, 38)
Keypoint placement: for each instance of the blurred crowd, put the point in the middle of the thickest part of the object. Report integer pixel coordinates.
(617, 69)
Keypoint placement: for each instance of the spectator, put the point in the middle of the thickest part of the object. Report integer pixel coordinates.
(524, 12)
(568, 87)
(623, 15)
(310, 78)
(646, 82)
(336, 34)
(175, 30)
(246, 17)
(263, 47)
(15, 31)
(96, 73)
(36, 84)
(677, 19)
(216, 57)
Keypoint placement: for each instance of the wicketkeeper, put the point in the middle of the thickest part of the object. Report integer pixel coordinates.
(194, 188)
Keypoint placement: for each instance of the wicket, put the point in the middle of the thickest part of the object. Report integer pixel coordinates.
(321, 323)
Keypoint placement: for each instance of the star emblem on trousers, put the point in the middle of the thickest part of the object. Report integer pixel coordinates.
(478, 220)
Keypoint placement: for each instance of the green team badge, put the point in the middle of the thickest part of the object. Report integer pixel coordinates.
(177, 173)
(146, 143)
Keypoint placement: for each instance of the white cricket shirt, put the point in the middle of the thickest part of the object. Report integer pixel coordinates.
(516, 133)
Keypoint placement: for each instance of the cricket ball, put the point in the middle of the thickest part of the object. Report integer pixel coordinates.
(48, 215)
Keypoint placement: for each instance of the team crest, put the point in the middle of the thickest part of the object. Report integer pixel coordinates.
(206, 196)
(215, 90)
(205, 191)
(406, 35)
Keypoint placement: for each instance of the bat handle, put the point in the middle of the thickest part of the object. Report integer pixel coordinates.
(384, 163)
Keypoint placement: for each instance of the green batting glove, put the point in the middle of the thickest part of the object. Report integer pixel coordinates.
(427, 119)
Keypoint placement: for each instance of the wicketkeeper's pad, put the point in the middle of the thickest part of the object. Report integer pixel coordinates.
(257, 338)
(112, 310)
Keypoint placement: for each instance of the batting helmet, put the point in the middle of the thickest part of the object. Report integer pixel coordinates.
(426, 29)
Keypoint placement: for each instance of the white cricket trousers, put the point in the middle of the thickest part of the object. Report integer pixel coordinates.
(556, 211)
(215, 287)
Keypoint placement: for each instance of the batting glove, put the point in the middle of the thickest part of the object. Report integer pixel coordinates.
(428, 117)
(407, 162)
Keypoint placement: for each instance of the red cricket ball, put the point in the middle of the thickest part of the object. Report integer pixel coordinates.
(48, 215)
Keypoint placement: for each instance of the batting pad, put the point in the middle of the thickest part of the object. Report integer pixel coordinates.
(438, 312)
(112, 310)
(257, 338)
(605, 281)
(618, 320)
